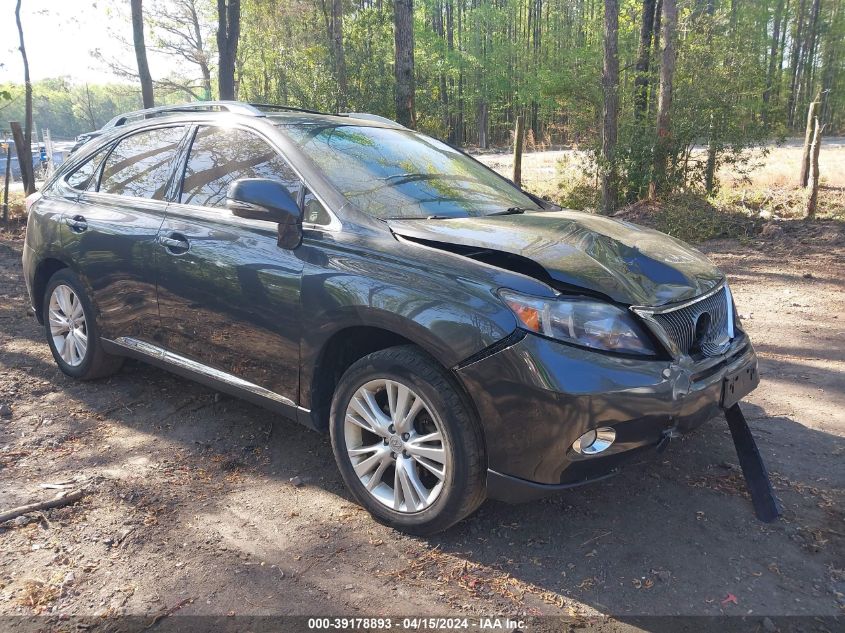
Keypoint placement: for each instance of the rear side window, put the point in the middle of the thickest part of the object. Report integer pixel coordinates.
(85, 175)
(220, 156)
(140, 165)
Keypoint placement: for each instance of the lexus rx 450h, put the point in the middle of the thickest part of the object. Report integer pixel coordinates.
(457, 337)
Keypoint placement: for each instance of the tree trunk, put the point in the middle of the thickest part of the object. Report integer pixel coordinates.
(664, 103)
(228, 32)
(483, 120)
(202, 58)
(610, 84)
(643, 60)
(655, 37)
(338, 56)
(518, 136)
(26, 169)
(403, 19)
(773, 54)
(24, 152)
(710, 167)
(813, 196)
(141, 54)
(808, 141)
(810, 50)
(795, 55)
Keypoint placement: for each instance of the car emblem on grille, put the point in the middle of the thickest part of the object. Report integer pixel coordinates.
(702, 328)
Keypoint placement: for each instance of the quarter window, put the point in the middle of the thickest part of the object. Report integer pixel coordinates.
(219, 156)
(140, 165)
(81, 178)
(313, 210)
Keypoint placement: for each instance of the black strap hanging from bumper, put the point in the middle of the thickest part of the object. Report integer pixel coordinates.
(766, 506)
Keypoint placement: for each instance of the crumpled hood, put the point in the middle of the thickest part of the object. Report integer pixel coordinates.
(628, 263)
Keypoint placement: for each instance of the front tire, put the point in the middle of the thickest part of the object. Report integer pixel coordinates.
(406, 441)
(71, 329)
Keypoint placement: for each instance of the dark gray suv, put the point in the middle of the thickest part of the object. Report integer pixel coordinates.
(458, 337)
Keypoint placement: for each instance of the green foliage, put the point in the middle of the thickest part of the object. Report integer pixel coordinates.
(68, 109)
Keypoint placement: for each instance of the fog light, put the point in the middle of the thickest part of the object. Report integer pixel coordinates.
(594, 442)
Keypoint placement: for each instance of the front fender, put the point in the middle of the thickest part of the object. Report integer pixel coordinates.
(442, 302)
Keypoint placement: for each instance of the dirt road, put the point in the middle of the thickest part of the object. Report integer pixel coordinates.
(201, 504)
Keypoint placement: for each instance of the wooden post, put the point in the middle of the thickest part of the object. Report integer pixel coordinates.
(808, 140)
(518, 135)
(813, 196)
(6, 185)
(24, 158)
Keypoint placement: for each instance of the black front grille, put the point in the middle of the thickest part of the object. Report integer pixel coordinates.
(700, 328)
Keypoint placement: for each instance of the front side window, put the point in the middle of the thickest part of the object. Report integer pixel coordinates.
(85, 175)
(140, 165)
(390, 173)
(219, 156)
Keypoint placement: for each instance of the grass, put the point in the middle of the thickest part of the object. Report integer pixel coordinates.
(17, 208)
(745, 202)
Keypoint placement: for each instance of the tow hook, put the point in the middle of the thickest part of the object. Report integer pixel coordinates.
(668, 435)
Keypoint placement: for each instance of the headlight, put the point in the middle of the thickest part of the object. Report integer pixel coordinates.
(584, 322)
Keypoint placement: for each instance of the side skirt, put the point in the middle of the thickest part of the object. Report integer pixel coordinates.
(209, 376)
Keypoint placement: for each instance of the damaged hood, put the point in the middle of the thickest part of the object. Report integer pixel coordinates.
(628, 263)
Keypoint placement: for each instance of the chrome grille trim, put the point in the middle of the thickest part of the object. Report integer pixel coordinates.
(675, 325)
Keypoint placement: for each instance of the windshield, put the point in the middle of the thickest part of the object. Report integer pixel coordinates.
(390, 173)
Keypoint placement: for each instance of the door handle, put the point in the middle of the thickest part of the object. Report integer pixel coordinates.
(174, 243)
(77, 223)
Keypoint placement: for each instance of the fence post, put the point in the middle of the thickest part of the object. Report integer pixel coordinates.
(519, 133)
(6, 185)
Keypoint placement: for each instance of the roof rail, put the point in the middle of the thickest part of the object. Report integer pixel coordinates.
(236, 107)
(366, 116)
(274, 106)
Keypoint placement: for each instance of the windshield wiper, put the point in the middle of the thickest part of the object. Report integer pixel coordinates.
(419, 217)
(510, 211)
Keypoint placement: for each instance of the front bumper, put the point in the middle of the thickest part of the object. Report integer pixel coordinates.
(537, 396)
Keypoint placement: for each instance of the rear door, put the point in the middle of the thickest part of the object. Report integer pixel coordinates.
(110, 234)
(228, 294)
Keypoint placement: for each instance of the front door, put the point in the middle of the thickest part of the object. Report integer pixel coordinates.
(110, 232)
(228, 294)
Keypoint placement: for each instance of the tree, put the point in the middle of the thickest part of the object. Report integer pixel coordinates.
(228, 33)
(813, 184)
(403, 20)
(643, 59)
(178, 30)
(335, 33)
(664, 101)
(141, 53)
(809, 136)
(24, 153)
(610, 85)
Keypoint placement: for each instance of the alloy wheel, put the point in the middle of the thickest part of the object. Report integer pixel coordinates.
(396, 445)
(67, 325)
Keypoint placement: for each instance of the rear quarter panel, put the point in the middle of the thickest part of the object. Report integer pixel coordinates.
(43, 238)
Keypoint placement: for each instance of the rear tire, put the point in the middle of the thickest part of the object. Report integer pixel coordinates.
(71, 329)
(407, 442)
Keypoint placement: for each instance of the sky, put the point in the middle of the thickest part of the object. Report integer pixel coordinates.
(59, 37)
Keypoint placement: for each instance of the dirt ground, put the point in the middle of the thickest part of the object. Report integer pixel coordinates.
(201, 504)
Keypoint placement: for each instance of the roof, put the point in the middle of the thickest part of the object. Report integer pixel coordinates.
(277, 113)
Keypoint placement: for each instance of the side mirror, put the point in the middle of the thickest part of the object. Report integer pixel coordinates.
(266, 199)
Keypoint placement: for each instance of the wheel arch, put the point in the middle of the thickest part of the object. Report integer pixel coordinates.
(46, 268)
(348, 345)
